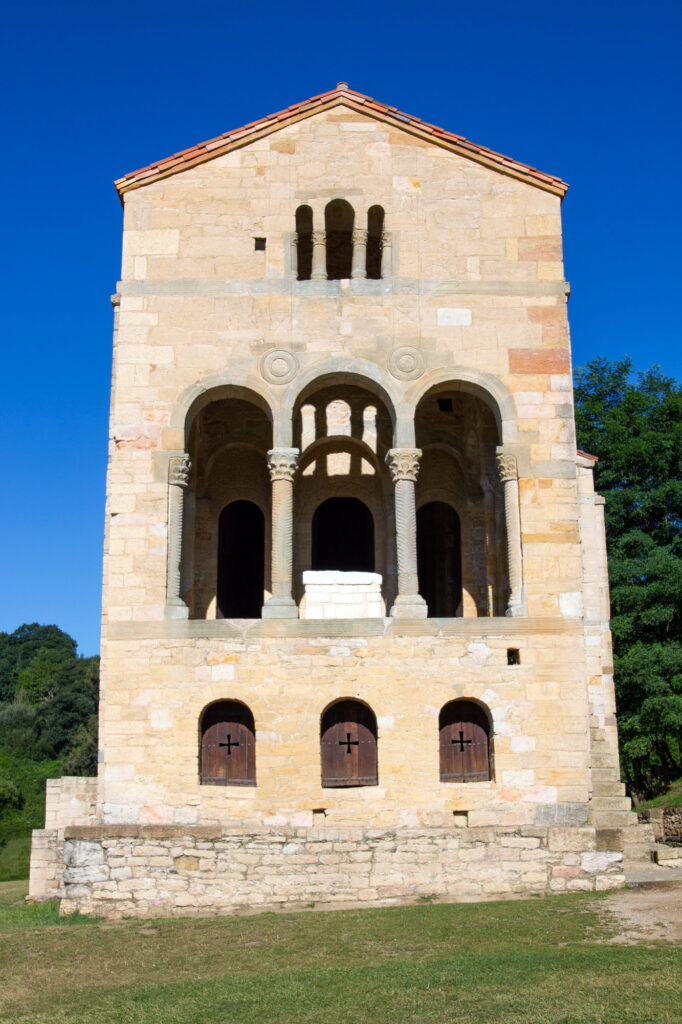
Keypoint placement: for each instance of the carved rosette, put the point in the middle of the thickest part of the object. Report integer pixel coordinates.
(403, 464)
(282, 463)
(179, 469)
(506, 467)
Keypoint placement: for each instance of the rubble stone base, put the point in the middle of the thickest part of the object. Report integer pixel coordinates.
(146, 871)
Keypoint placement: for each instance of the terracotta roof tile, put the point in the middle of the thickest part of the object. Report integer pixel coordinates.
(342, 94)
(586, 455)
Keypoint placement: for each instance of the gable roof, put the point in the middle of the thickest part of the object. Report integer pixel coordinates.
(340, 96)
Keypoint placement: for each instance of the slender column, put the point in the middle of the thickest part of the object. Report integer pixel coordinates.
(403, 464)
(179, 467)
(506, 467)
(319, 271)
(386, 254)
(359, 266)
(282, 464)
(490, 485)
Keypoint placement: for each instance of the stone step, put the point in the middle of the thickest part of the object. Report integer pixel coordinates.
(602, 789)
(611, 803)
(638, 853)
(605, 774)
(612, 819)
(669, 856)
(603, 759)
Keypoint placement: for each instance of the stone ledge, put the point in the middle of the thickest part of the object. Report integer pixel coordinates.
(256, 629)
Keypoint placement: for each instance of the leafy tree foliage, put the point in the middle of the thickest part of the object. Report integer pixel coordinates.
(48, 721)
(635, 427)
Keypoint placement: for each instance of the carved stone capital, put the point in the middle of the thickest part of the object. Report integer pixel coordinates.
(359, 236)
(403, 463)
(506, 467)
(386, 238)
(319, 237)
(282, 463)
(179, 468)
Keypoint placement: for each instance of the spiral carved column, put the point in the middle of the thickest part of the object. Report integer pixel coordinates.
(282, 464)
(319, 270)
(403, 464)
(506, 467)
(179, 467)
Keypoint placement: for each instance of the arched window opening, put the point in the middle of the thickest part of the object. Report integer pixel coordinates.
(338, 221)
(304, 243)
(228, 745)
(343, 536)
(439, 559)
(464, 742)
(348, 739)
(241, 561)
(375, 234)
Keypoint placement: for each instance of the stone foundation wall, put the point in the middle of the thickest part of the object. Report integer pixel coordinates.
(666, 823)
(71, 800)
(150, 871)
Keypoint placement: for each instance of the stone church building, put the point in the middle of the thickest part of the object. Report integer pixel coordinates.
(355, 640)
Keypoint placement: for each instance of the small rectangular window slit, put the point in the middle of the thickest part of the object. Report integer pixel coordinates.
(319, 814)
(259, 244)
(460, 819)
(513, 656)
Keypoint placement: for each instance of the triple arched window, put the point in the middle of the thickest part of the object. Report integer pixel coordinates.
(348, 744)
(342, 248)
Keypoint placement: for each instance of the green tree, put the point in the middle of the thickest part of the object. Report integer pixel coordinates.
(634, 425)
(20, 648)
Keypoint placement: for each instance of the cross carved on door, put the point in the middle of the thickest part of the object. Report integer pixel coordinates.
(231, 743)
(461, 741)
(348, 743)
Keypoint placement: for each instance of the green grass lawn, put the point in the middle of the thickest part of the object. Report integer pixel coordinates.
(538, 961)
(671, 798)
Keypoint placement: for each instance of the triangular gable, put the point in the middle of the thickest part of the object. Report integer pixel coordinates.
(340, 96)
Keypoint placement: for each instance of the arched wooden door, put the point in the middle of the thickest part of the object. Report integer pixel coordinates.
(464, 742)
(349, 745)
(228, 745)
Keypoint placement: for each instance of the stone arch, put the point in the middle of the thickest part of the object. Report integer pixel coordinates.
(212, 389)
(360, 372)
(485, 386)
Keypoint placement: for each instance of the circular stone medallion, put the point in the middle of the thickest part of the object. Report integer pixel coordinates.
(279, 366)
(406, 363)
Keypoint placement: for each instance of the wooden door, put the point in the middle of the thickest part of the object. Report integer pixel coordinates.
(464, 743)
(349, 745)
(228, 746)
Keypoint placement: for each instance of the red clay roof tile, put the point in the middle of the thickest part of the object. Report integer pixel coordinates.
(222, 143)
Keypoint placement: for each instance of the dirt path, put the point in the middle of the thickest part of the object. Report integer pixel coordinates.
(645, 913)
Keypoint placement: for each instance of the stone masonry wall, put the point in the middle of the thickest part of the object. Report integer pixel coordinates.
(163, 870)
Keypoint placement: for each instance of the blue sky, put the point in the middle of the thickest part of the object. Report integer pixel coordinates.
(589, 91)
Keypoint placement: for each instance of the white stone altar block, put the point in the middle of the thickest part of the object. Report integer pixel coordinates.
(331, 594)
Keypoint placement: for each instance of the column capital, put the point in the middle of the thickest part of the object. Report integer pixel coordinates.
(179, 468)
(319, 237)
(403, 463)
(506, 467)
(359, 236)
(282, 463)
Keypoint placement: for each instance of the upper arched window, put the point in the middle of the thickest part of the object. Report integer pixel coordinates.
(464, 742)
(375, 236)
(439, 559)
(228, 745)
(304, 243)
(241, 561)
(348, 737)
(338, 222)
